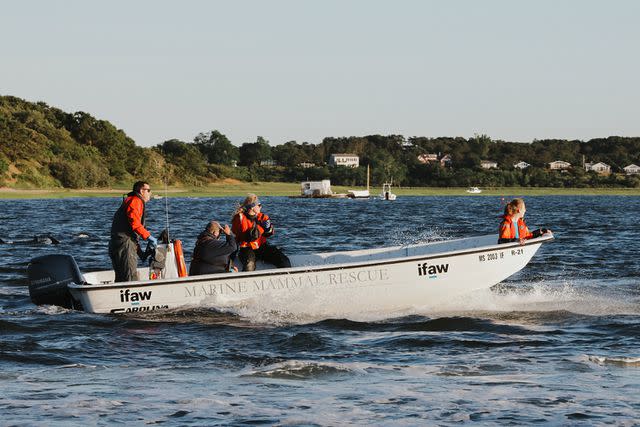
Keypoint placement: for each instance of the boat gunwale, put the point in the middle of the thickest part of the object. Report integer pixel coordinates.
(307, 269)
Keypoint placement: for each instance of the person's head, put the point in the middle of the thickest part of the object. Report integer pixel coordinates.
(213, 227)
(516, 208)
(251, 205)
(143, 189)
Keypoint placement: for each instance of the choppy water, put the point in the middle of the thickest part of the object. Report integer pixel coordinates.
(558, 343)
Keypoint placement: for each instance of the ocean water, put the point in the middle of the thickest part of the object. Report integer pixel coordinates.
(556, 344)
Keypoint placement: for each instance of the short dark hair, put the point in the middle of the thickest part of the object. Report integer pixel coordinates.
(137, 187)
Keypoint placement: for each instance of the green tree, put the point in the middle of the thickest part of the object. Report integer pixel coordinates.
(217, 148)
(252, 154)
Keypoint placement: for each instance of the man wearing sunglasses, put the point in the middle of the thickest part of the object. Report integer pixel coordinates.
(127, 226)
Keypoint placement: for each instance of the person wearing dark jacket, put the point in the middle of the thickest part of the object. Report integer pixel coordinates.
(213, 254)
(127, 226)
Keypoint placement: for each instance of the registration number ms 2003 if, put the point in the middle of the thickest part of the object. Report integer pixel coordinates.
(491, 256)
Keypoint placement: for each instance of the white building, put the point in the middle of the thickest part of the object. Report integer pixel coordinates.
(316, 188)
(268, 163)
(488, 164)
(597, 167)
(446, 160)
(349, 160)
(559, 165)
(428, 158)
(632, 169)
(521, 165)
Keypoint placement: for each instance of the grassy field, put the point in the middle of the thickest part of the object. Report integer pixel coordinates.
(241, 189)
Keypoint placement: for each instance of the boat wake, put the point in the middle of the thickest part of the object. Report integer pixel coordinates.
(615, 361)
(525, 301)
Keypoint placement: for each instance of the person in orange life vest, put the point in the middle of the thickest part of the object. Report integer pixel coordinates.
(126, 227)
(513, 228)
(251, 228)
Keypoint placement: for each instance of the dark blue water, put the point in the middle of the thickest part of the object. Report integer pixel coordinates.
(558, 343)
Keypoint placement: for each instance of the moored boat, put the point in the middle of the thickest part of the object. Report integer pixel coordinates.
(386, 192)
(391, 278)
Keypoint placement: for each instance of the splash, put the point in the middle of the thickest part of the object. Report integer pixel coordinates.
(301, 370)
(624, 362)
(539, 299)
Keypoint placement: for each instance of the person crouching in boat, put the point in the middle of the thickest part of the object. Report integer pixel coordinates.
(251, 228)
(213, 254)
(513, 228)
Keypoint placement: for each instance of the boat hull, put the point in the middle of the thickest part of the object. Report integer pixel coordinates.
(416, 276)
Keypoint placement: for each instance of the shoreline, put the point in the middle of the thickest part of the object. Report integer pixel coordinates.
(293, 189)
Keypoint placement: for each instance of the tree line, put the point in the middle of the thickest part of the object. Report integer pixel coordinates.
(43, 146)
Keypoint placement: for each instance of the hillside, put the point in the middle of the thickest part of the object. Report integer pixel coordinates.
(44, 147)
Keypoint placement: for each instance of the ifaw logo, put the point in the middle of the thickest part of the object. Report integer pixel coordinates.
(128, 296)
(432, 271)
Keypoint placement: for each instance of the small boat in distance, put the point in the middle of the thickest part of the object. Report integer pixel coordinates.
(318, 190)
(386, 192)
(474, 190)
(360, 194)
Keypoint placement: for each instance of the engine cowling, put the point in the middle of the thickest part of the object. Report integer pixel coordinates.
(49, 276)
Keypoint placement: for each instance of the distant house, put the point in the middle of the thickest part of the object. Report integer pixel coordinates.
(632, 169)
(428, 158)
(446, 160)
(488, 164)
(349, 160)
(521, 165)
(559, 165)
(598, 167)
(316, 188)
(268, 163)
(306, 165)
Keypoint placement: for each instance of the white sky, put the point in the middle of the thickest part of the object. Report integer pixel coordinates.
(303, 70)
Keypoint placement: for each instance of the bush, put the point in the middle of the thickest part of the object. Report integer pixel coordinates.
(4, 165)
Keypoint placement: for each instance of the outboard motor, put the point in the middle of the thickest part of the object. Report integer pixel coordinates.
(49, 276)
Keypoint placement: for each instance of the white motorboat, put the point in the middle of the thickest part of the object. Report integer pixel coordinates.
(386, 192)
(353, 282)
(474, 190)
(358, 194)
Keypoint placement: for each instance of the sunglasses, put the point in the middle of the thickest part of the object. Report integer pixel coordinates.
(146, 189)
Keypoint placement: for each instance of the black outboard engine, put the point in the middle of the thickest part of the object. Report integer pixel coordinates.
(49, 276)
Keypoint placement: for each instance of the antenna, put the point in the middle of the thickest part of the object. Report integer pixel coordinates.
(166, 208)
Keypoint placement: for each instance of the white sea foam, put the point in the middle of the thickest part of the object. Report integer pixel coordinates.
(617, 361)
(582, 297)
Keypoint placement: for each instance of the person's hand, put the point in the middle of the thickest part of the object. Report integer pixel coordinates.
(226, 230)
(522, 241)
(152, 241)
(266, 224)
(546, 231)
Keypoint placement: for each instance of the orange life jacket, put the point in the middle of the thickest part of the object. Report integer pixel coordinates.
(508, 229)
(241, 225)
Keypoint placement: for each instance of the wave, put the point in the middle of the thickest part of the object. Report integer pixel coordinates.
(616, 361)
(302, 370)
(528, 301)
